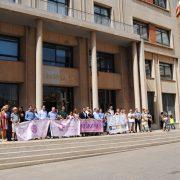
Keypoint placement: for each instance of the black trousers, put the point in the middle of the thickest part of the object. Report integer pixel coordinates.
(149, 124)
(9, 131)
(137, 123)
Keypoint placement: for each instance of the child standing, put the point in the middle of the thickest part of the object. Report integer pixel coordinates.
(172, 121)
(15, 121)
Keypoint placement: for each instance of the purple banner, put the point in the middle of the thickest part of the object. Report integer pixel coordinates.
(91, 125)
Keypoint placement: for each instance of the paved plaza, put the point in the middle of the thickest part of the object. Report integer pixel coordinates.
(157, 163)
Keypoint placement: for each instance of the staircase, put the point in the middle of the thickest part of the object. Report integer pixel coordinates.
(17, 154)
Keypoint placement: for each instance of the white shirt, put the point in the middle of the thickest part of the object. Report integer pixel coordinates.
(131, 118)
(42, 114)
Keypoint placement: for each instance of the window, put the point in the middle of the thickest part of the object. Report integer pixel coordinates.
(101, 15)
(148, 67)
(162, 37)
(56, 55)
(9, 94)
(58, 6)
(141, 29)
(166, 71)
(169, 103)
(105, 62)
(160, 3)
(9, 48)
(107, 98)
(58, 97)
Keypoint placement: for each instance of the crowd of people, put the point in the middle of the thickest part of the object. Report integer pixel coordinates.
(132, 122)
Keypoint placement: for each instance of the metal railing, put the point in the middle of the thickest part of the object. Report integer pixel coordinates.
(63, 11)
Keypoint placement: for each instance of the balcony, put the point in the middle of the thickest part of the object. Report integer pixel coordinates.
(53, 11)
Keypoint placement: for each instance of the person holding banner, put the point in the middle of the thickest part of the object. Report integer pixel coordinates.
(52, 115)
(42, 114)
(29, 115)
(123, 121)
(96, 114)
(83, 114)
(131, 121)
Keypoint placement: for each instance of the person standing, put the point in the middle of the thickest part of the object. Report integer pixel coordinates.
(101, 114)
(3, 118)
(42, 114)
(96, 114)
(172, 122)
(111, 111)
(161, 120)
(52, 115)
(62, 113)
(144, 121)
(15, 119)
(83, 114)
(149, 121)
(131, 121)
(21, 114)
(29, 115)
(9, 123)
(137, 116)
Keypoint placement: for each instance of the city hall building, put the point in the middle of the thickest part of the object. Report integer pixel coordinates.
(95, 53)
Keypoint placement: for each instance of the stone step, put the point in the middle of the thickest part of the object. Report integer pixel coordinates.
(73, 147)
(93, 139)
(59, 156)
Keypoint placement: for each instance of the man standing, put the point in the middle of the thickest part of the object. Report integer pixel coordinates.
(53, 114)
(137, 116)
(29, 115)
(42, 114)
(83, 114)
(62, 113)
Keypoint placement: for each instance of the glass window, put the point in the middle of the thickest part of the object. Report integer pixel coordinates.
(58, 97)
(105, 62)
(9, 48)
(58, 6)
(101, 15)
(169, 103)
(141, 29)
(148, 67)
(162, 37)
(55, 55)
(160, 3)
(9, 94)
(166, 71)
(107, 98)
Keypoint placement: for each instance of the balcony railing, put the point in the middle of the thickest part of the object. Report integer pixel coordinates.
(63, 10)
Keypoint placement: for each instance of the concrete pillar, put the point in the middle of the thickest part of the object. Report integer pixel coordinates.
(136, 76)
(143, 76)
(70, 11)
(94, 71)
(39, 70)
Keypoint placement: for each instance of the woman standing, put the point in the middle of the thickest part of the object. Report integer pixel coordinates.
(4, 119)
(131, 121)
(21, 114)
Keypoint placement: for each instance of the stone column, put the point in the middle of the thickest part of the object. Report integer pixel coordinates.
(39, 77)
(144, 103)
(70, 11)
(136, 76)
(94, 71)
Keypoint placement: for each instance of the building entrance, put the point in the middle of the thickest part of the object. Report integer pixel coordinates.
(58, 97)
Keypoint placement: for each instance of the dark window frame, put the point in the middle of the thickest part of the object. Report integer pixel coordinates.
(101, 15)
(112, 60)
(162, 31)
(56, 47)
(11, 39)
(164, 76)
(149, 63)
(159, 3)
(141, 26)
(56, 2)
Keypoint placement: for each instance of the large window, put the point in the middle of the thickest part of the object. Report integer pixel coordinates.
(56, 55)
(8, 94)
(58, 6)
(105, 62)
(168, 103)
(58, 97)
(160, 3)
(162, 37)
(141, 29)
(166, 71)
(148, 67)
(101, 15)
(107, 98)
(9, 48)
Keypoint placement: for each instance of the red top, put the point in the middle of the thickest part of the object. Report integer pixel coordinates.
(3, 121)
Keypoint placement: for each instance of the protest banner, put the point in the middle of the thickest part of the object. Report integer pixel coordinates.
(32, 129)
(91, 125)
(65, 128)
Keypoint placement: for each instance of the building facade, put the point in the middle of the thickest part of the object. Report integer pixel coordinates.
(97, 53)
